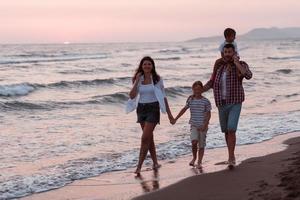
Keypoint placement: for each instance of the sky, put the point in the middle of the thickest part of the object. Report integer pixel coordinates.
(58, 21)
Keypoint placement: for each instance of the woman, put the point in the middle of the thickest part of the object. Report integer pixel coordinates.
(148, 91)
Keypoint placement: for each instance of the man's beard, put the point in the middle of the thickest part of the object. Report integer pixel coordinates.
(228, 59)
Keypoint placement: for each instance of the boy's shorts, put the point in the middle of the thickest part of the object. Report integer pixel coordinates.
(199, 136)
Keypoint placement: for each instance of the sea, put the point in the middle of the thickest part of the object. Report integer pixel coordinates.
(62, 106)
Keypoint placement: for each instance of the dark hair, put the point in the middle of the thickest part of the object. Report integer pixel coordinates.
(229, 46)
(197, 83)
(228, 32)
(155, 76)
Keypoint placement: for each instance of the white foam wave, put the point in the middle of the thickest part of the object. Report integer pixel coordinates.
(16, 89)
(55, 59)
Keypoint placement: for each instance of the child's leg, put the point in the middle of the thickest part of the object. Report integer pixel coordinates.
(200, 156)
(194, 139)
(194, 151)
(202, 144)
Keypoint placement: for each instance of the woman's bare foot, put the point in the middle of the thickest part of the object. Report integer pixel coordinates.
(192, 163)
(138, 170)
(156, 166)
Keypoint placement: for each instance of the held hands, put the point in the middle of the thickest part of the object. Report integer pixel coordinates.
(172, 120)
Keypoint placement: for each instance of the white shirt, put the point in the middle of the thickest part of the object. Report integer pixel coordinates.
(147, 94)
(159, 92)
(223, 85)
(198, 109)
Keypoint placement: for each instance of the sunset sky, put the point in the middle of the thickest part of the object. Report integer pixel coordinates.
(56, 21)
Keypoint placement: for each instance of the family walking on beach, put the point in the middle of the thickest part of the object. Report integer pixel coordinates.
(148, 97)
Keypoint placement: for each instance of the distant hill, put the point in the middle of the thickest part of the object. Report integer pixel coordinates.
(261, 34)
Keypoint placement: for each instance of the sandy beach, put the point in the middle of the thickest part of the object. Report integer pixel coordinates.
(275, 176)
(267, 170)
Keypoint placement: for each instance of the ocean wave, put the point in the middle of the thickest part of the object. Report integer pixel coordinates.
(174, 51)
(284, 97)
(24, 89)
(169, 58)
(16, 89)
(114, 98)
(62, 84)
(197, 57)
(51, 59)
(284, 58)
(284, 71)
(20, 105)
(177, 91)
(292, 95)
(77, 83)
(119, 97)
(85, 71)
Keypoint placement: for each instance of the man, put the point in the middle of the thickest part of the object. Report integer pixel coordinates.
(226, 81)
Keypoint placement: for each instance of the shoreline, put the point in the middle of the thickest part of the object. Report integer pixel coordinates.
(124, 184)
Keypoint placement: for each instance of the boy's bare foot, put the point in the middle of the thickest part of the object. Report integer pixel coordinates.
(138, 170)
(156, 166)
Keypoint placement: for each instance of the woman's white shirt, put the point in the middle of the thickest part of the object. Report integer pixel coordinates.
(147, 94)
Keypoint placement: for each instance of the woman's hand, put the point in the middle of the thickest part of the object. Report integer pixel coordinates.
(138, 77)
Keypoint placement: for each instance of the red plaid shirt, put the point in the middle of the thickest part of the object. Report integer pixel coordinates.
(234, 84)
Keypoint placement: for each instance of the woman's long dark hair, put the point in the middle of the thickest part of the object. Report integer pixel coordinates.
(155, 76)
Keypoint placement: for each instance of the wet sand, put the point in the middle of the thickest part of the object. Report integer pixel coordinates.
(265, 167)
(272, 177)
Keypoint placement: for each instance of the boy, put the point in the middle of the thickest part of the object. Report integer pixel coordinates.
(200, 108)
(229, 35)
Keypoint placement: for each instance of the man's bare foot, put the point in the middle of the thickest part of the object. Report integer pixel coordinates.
(156, 166)
(199, 165)
(192, 163)
(231, 164)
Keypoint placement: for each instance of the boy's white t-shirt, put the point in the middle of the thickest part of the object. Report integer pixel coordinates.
(221, 48)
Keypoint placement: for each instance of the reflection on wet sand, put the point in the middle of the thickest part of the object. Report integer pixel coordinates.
(197, 171)
(149, 185)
